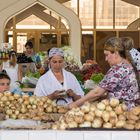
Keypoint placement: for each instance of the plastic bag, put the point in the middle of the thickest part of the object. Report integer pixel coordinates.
(89, 84)
(15, 124)
(30, 80)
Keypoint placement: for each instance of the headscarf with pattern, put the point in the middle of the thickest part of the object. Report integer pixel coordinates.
(56, 51)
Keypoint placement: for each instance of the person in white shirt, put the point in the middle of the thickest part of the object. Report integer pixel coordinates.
(12, 69)
(58, 84)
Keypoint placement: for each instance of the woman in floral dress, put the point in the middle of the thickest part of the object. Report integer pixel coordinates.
(120, 81)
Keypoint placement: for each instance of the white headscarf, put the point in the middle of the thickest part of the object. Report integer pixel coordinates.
(136, 57)
(56, 51)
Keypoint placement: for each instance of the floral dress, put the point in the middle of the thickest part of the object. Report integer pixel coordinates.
(120, 82)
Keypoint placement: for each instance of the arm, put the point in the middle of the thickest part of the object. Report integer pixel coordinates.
(92, 95)
(1, 65)
(19, 72)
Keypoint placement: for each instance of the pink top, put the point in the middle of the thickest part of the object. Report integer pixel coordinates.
(120, 82)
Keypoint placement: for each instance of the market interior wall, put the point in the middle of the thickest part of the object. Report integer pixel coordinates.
(10, 8)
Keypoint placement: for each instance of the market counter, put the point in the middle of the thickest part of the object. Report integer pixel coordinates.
(68, 135)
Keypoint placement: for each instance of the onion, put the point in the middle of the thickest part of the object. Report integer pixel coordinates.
(101, 106)
(54, 126)
(108, 108)
(7, 93)
(20, 100)
(72, 125)
(122, 117)
(85, 108)
(16, 96)
(9, 112)
(4, 98)
(105, 101)
(88, 117)
(85, 124)
(120, 124)
(119, 110)
(114, 102)
(25, 97)
(106, 116)
(79, 119)
(97, 123)
(107, 125)
(98, 113)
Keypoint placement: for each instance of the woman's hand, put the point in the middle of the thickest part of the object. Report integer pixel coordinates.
(71, 94)
(71, 105)
(56, 94)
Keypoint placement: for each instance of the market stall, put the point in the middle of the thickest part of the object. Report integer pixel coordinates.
(28, 117)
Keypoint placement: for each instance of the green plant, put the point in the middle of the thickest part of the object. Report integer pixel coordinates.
(97, 77)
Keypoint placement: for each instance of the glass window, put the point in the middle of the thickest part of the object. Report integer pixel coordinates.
(101, 38)
(125, 14)
(86, 13)
(65, 40)
(132, 34)
(87, 46)
(21, 40)
(104, 14)
(32, 22)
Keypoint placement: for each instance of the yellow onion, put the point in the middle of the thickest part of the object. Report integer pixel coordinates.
(114, 102)
(107, 125)
(97, 123)
(120, 124)
(101, 106)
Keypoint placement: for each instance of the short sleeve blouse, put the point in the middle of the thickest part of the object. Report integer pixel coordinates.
(120, 82)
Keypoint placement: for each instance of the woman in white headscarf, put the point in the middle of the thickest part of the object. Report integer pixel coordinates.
(58, 84)
(128, 44)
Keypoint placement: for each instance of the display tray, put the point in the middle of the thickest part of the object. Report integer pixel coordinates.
(101, 129)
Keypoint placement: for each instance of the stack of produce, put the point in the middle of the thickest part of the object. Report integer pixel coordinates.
(15, 106)
(107, 114)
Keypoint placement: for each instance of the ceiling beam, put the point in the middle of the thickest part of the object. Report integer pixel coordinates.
(62, 1)
(36, 10)
(133, 2)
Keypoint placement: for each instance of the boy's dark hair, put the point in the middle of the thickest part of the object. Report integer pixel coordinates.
(29, 43)
(3, 75)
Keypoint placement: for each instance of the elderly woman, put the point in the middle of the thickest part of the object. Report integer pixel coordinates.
(58, 83)
(120, 81)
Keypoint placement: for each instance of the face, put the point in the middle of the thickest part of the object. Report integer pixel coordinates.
(110, 57)
(29, 50)
(57, 63)
(4, 85)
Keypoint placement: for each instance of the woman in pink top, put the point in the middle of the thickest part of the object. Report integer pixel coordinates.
(120, 81)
